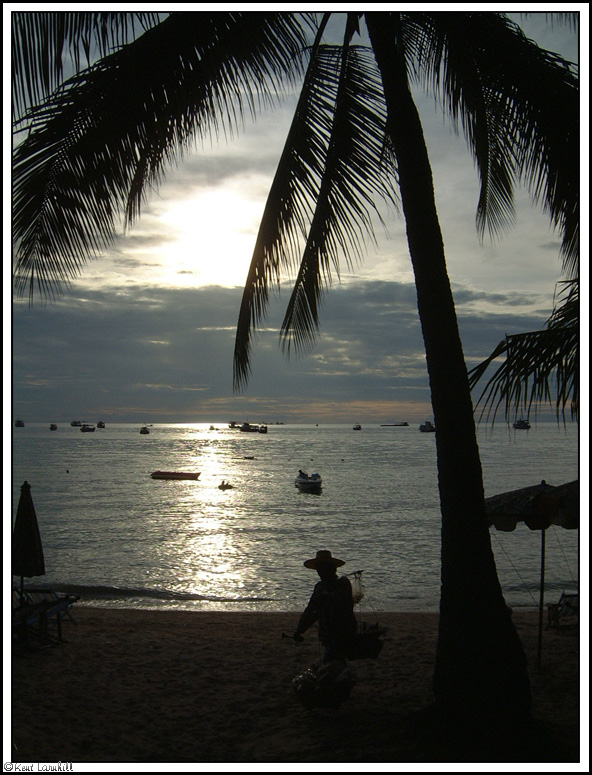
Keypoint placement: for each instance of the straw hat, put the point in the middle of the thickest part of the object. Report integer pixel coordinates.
(323, 556)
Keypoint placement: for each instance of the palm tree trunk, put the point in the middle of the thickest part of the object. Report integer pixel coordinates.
(480, 670)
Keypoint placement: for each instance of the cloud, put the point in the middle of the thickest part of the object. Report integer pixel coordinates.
(166, 354)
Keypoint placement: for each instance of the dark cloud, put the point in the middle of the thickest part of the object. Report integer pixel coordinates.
(166, 354)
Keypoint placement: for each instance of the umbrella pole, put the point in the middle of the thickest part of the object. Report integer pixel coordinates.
(541, 600)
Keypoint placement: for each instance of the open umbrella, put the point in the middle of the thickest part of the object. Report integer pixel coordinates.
(539, 507)
(27, 549)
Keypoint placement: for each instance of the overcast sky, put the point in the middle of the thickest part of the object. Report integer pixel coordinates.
(147, 332)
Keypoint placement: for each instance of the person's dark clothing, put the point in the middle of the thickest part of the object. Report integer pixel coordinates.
(332, 604)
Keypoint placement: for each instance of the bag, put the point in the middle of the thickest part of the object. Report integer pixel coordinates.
(357, 588)
(367, 644)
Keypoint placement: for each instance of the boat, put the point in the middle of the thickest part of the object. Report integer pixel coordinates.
(246, 427)
(53, 427)
(175, 474)
(86, 428)
(19, 424)
(100, 424)
(395, 425)
(76, 423)
(308, 483)
(522, 425)
(263, 429)
(144, 430)
(232, 424)
(357, 427)
(225, 485)
(427, 427)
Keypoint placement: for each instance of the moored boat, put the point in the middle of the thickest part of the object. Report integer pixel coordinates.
(144, 430)
(86, 428)
(310, 483)
(19, 424)
(53, 427)
(175, 474)
(357, 427)
(246, 427)
(522, 425)
(427, 427)
(76, 423)
(100, 424)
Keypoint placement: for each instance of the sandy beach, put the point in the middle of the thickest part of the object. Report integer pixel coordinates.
(175, 687)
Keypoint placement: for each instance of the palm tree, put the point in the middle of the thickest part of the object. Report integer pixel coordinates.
(97, 143)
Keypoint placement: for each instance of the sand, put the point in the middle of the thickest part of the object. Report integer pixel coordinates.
(173, 687)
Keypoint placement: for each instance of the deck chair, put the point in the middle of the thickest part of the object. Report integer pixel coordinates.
(55, 605)
(565, 613)
(29, 616)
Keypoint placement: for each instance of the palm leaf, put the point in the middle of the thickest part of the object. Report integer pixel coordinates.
(109, 134)
(42, 42)
(519, 112)
(538, 367)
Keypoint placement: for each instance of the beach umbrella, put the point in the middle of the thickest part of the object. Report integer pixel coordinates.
(27, 549)
(539, 507)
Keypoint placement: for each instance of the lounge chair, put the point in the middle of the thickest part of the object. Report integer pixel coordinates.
(55, 605)
(565, 613)
(27, 616)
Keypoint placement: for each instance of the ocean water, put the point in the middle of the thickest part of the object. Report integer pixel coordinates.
(119, 538)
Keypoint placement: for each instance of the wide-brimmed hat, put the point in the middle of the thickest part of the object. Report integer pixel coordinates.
(323, 556)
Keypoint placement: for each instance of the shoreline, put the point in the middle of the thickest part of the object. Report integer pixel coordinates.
(138, 685)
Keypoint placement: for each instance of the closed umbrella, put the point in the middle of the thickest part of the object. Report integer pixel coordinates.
(27, 549)
(539, 507)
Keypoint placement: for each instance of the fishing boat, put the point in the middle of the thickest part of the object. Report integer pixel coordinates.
(394, 425)
(308, 483)
(100, 424)
(19, 424)
(144, 430)
(357, 427)
(522, 425)
(263, 429)
(53, 427)
(175, 474)
(427, 427)
(86, 428)
(76, 423)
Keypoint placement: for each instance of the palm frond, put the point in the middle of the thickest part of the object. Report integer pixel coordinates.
(539, 366)
(333, 168)
(45, 44)
(109, 134)
(519, 112)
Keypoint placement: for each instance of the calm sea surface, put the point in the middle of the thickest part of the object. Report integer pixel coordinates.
(120, 538)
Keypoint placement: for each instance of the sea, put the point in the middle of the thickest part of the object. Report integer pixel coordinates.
(119, 538)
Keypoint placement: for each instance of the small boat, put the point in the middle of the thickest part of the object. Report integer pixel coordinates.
(144, 430)
(395, 425)
(100, 424)
(308, 483)
(246, 427)
(263, 429)
(225, 485)
(53, 427)
(86, 428)
(175, 475)
(19, 424)
(232, 424)
(357, 427)
(76, 423)
(522, 425)
(427, 427)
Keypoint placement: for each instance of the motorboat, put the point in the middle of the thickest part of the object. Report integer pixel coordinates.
(86, 428)
(100, 424)
(522, 425)
(246, 427)
(357, 427)
(308, 483)
(19, 424)
(53, 427)
(263, 429)
(144, 430)
(175, 474)
(427, 427)
(76, 423)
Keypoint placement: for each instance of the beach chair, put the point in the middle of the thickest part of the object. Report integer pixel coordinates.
(565, 613)
(29, 616)
(55, 605)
